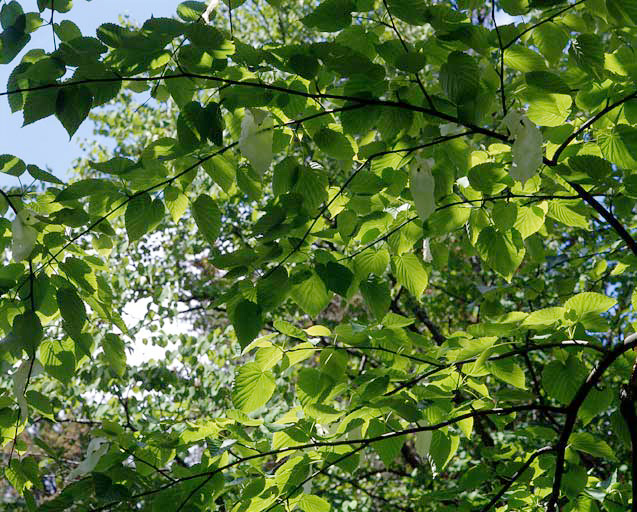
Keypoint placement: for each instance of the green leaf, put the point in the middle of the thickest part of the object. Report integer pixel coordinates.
(443, 448)
(273, 289)
(388, 449)
(619, 145)
(312, 185)
(561, 380)
(597, 402)
(551, 39)
(587, 303)
(588, 443)
(176, 202)
(313, 503)
(330, 15)
(39, 104)
(623, 10)
(371, 261)
(12, 165)
(115, 353)
(377, 296)
(84, 188)
(544, 318)
(57, 5)
(588, 52)
(334, 144)
(208, 217)
(221, 170)
(311, 295)
(413, 12)
(549, 109)
(422, 187)
(140, 216)
(560, 211)
(489, 178)
(547, 82)
(191, 10)
(72, 310)
(508, 371)
(36, 173)
(72, 107)
(588, 306)
(58, 359)
(27, 329)
(252, 388)
(246, 320)
(515, 7)
(523, 59)
(410, 273)
(530, 219)
(501, 251)
(459, 77)
(10, 14)
(336, 277)
(594, 166)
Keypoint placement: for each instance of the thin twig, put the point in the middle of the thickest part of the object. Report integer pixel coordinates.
(517, 475)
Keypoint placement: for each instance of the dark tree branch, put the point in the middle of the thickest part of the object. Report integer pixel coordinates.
(501, 59)
(607, 215)
(553, 161)
(573, 408)
(275, 88)
(435, 331)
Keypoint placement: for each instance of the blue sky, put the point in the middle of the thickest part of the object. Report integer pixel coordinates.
(46, 143)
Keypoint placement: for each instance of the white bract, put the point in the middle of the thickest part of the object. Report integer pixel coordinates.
(24, 235)
(211, 7)
(96, 449)
(450, 129)
(426, 251)
(20, 378)
(255, 141)
(527, 146)
(423, 187)
(463, 182)
(423, 442)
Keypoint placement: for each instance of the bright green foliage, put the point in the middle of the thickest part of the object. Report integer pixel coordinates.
(383, 253)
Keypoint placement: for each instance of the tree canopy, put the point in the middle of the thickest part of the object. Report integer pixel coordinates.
(398, 236)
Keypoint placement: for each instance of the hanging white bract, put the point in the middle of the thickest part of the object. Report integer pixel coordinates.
(255, 141)
(422, 187)
(24, 235)
(96, 449)
(527, 146)
(208, 12)
(423, 441)
(427, 256)
(20, 378)
(463, 182)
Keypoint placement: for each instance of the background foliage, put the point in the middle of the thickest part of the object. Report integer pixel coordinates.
(386, 247)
